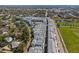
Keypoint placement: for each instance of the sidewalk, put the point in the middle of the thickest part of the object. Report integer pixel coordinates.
(59, 43)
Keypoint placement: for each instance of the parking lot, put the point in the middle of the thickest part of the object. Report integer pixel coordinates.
(44, 35)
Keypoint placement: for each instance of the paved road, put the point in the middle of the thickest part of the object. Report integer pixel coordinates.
(54, 43)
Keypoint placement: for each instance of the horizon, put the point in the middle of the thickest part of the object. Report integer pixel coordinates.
(39, 6)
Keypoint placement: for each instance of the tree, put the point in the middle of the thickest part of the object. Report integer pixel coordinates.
(20, 48)
(25, 35)
(58, 25)
(1, 38)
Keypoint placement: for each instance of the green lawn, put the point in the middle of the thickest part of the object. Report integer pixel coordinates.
(69, 24)
(57, 18)
(71, 38)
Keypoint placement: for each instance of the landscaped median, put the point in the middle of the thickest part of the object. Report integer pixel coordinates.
(70, 39)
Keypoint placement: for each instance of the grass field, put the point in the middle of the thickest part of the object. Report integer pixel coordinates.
(69, 24)
(69, 31)
(71, 38)
(57, 18)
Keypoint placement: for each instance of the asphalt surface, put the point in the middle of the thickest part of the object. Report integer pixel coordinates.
(46, 38)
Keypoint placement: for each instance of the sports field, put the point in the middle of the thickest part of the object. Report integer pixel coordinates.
(71, 38)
